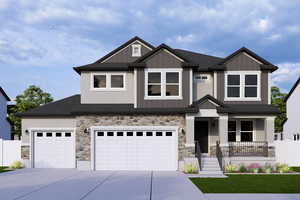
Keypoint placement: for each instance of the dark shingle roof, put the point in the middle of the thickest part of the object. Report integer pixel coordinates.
(4, 94)
(292, 90)
(203, 61)
(255, 109)
(71, 106)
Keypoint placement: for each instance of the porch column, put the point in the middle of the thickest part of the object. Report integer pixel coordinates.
(269, 131)
(190, 124)
(223, 130)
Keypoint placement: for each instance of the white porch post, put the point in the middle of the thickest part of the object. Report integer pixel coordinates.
(269, 130)
(190, 124)
(223, 130)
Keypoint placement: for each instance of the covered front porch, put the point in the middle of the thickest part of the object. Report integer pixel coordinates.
(231, 135)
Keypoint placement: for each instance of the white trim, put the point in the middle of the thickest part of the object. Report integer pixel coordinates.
(215, 85)
(242, 75)
(31, 141)
(191, 86)
(163, 72)
(135, 87)
(125, 48)
(269, 87)
(173, 55)
(252, 58)
(93, 129)
(253, 126)
(108, 81)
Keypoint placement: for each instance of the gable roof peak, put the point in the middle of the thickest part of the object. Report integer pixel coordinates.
(4, 94)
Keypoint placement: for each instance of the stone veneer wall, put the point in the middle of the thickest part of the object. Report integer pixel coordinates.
(83, 140)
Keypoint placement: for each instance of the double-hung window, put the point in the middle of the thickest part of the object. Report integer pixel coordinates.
(231, 131)
(246, 131)
(242, 85)
(108, 81)
(163, 84)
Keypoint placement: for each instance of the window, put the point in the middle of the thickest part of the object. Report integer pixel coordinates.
(100, 81)
(169, 134)
(119, 133)
(110, 133)
(139, 133)
(58, 134)
(246, 131)
(117, 81)
(100, 134)
(250, 85)
(68, 134)
(172, 83)
(159, 134)
(136, 50)
(163, 84)
(108, 81)
(129, 133)
(233, 86)
(49, 134)
(154, 84)
(242, 85)
(39, 134)
(231, 131)
(149, 133)
(296, 137)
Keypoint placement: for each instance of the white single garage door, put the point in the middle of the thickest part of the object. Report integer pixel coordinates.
(54, 149)
(135, 148)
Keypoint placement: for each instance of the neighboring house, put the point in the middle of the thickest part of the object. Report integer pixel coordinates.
(5, 125)
(144, 108)
(291, 127)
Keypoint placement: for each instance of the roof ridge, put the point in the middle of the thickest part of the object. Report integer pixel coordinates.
(189, 51)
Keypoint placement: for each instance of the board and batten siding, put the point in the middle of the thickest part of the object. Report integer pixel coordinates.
(125, 55)
(5, 127)
(242, 62)
(163, 59)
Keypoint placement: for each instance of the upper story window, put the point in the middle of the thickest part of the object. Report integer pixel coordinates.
(163, 84)
(242, 85)
(108, 81)
(136, 50)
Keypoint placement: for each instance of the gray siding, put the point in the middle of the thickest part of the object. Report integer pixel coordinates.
(243, 63)
(201, 89)
(162, 59)
(207, 105)
(125, 54)
(89, 96)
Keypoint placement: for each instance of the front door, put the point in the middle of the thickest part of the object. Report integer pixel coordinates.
(201, 135)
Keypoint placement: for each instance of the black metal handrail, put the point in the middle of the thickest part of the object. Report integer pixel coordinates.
(198, 153)
(256, 148)
(219, 155)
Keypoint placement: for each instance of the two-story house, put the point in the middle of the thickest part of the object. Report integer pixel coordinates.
(291, 128)
(152, 108)
(5, 126)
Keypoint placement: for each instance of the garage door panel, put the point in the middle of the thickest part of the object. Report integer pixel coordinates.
(149, 149)
(55, 150)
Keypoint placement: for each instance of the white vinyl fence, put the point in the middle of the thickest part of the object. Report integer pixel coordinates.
(287, 151)
(10, 151)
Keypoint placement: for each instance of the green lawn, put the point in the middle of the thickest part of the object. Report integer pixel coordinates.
(4, 169)
(250, 184)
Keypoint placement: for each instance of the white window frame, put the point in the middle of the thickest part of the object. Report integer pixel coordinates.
(139, 53)
(163, 72)
(238, 129)
(253, 131)
(242, 75)
(108, 82)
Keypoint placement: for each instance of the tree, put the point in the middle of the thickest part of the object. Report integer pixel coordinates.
(278, 100)
(31, 98)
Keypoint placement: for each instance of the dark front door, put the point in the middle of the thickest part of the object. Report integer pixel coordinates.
(201, 135)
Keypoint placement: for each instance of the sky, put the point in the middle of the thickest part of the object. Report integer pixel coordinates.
(41, 40)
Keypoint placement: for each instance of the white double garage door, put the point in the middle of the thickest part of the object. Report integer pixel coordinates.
(112, 148)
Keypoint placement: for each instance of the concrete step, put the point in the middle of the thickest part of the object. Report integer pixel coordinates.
(211, 169)
(210, 172)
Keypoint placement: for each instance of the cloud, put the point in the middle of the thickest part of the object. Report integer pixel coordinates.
(182, 39)
(274, 37)
(261, 25)
(286, 75)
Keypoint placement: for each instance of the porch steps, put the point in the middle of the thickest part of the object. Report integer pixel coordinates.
(210, 165)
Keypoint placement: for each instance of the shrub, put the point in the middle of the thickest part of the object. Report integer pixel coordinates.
(16, 165)
(243, 168)
(190, 169)
(283, 168)
(230, 168)
(268, 169)
(254, 167)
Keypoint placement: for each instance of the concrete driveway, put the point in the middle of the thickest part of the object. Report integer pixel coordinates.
(61, 184)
